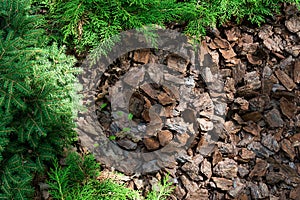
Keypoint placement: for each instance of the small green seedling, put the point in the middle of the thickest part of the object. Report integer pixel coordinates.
(103, 105)
(112, 137)
(126, 129)
(130, 116)
(96, 145)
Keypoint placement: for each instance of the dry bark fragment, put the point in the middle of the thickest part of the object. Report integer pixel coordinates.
(294, 194)
(270, 142)
(127, 144)
(237, 190)
(250, 49)
(227, 54)
(297, 121)
(204, 148)
(274, 119)
(134, 77)
(259, 191)
(254, 60)
(274, 43)
(274, 177)
(265, 32)
(242, 171)
(150, 91)
(217, 157)
(253, 116)
(229, 88)
(288, 108)
(231, 128)
(221, 43)
(179, 192)
(165, 137)
(212, 45)
(238, 119)
(253, 80)
(223, 183)
(199, 194)
(165, 99)
(288, 148)
(293, 24)
(171, 91)
(233, 34)
(190, 186)
(225, 73)
(244, 104)
(177, 63)
(247, 154)
(297, 71)
(296, 137)
(260, 150)
(260, 103)
(205, 124)
(245, 39)
(215, 56)
(206, 168)
(151, 144)
(259, 169)
(285, 80)
(279, 55)
(285, 63)
(145, 115)
(136, 104)
(294, 50)
(192, 171)
(252, 128)
(142, 56)
(267, 86)
(232, 62)
(227, 168)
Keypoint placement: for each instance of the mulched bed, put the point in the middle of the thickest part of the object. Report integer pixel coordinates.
(152, 107)
(258, 155)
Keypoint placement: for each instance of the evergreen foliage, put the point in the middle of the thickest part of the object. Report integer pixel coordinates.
(211, 13)
(83, 24)
(161, 191)
(87, 24)
(37, 99)
(78, 181)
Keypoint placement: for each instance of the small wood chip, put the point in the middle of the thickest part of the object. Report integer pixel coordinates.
(295, 193)
(223, 183)
(297, 71)
(227, 54)
(142, 56)
(285, 80)
(288, 148)
(254, 60)
(165, 99)
(252, 128)
(274, 119)
(221, 43)
(288, 108)
(253, 116)
(293, 24)
(233, 34)
(259, 169)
